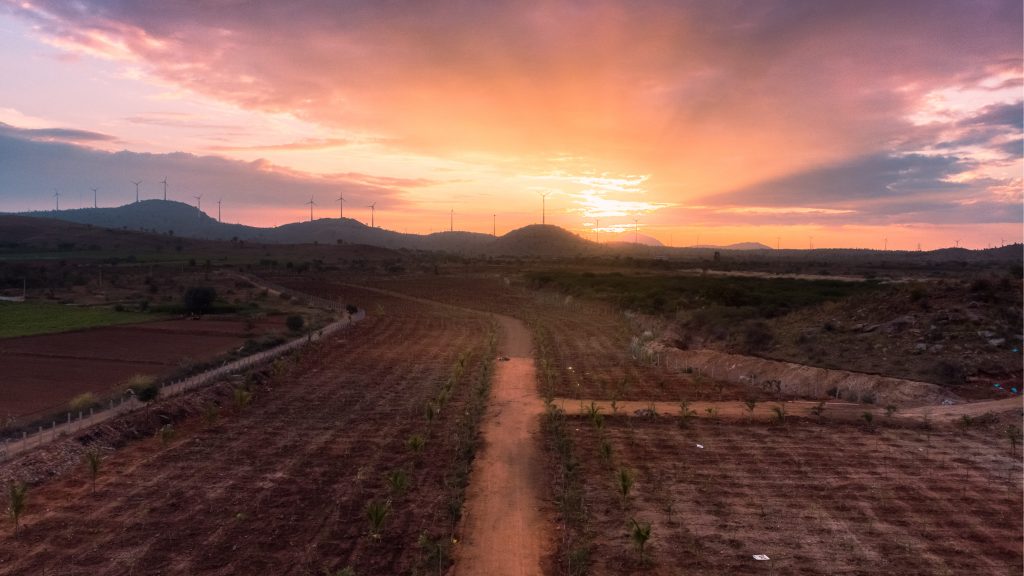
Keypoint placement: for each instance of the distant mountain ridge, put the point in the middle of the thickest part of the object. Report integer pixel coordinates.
(185, 220)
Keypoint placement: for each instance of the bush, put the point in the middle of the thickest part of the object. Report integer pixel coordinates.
(199, 299)
(757, 337)
(83, 402)
(143, 387)
(294, 323)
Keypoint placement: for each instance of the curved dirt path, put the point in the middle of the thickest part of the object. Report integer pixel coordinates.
(502, 524)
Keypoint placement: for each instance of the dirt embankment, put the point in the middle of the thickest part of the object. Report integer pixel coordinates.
(797, 380)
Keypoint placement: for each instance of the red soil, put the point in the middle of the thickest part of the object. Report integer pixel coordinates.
(281, 486)
(41, 373)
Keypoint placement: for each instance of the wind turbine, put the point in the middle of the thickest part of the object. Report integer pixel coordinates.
(341, 205)
(218, 209)
(810, 243)
(543, 206)
(199, 202)
(597, 229)
(311, 204)
(137, 190)
(957, 244)
(636, 231)
(886, 245)
(372, 208)
(164, 182)
(494, 225)
(56, 196)
(94, 192)
(451, 220)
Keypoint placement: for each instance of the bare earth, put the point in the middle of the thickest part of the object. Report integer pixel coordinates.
(503, 524)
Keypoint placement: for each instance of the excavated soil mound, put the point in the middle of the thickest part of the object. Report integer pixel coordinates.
(797, 380)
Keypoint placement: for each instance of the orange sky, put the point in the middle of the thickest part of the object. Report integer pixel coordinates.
(735, 121)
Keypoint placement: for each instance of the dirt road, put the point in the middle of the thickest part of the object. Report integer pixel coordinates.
(502, 523)
(766, 410)
(504, 531)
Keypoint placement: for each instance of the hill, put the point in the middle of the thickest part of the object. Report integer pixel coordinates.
(541, 240)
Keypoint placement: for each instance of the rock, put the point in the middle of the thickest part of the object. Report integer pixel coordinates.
(997, 341)
(920, 347)
(936, 348)
(986, 333)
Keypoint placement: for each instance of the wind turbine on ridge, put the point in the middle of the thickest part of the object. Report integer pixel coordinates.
(341, 205)
(137, 190)
(218, 209)
(199, 203)
(311, 204)
(372, 208)
(94, 193)
(56, 196)
(164, 182)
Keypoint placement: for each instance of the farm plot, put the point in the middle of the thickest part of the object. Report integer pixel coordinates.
(284, 485)
(587, 345)
(42, 373)
(832, 499)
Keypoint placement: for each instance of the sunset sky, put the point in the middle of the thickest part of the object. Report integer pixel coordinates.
(769, 121)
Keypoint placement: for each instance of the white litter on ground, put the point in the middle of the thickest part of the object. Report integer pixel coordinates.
(761, 557)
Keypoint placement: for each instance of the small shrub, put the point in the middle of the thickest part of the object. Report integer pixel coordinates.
(415, 443)
(624, 484)
(294, 323)
(640, 534)
(143, 387)
(93, 459)
(435, 550)
(780, 413)
(83, 402)
(166, 434)
(242, 397)
(17, 494)
(890, 410)
(398, 481)
(377, 512)
(750, 403)
(685, 414)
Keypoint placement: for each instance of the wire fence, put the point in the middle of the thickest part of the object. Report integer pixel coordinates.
(72, 422)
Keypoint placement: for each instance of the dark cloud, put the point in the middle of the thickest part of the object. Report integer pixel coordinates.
(1000, 115)
(30, 169)
(55, 134)
(851, 182)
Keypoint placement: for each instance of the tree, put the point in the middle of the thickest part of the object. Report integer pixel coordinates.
(199, 299)
(16, 492)
(93, 459)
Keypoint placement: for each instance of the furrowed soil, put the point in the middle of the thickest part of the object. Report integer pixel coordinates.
(832, 499)
(280, 486)
(587, 343)
(42, 373)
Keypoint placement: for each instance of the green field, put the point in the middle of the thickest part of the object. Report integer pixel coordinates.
(24, 319)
